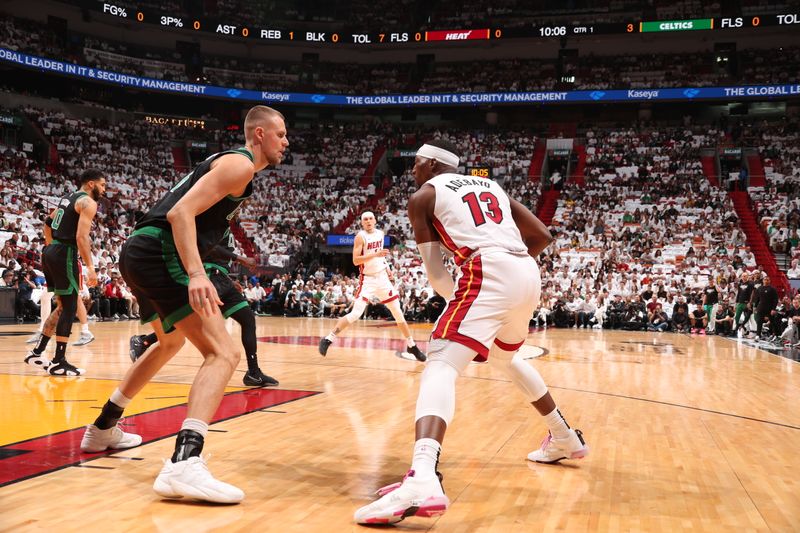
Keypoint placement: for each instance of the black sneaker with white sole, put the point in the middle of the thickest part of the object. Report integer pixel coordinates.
(63, 368)
(37, 360)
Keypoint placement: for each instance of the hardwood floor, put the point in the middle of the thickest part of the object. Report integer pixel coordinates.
(686, 433)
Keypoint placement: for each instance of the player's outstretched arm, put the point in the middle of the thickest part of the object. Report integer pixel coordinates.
(420, 212)
(358, 250)
(534, 233)
(48, 227)
(86, 208)
(229, 174)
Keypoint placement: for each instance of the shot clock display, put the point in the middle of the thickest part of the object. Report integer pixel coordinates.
(479, 171)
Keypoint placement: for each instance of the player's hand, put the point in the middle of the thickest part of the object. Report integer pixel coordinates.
(238, 287)
(249, 262)
(382, 253)
(91, 279)
(203, 296)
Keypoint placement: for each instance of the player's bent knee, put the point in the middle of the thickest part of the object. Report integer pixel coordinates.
(230, 355)
(358, 310)
(396, 310)
(173, 342)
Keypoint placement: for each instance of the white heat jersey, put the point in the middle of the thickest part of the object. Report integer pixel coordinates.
(373, 242)
(473, 214)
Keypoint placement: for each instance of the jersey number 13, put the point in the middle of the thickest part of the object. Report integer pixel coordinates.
(476, 207)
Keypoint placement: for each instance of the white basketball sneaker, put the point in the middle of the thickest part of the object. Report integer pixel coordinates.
(99, 440)
(191, 479)
(34, 338)
(554, 450)
(411, 497)
(85, 338)
(38, 360)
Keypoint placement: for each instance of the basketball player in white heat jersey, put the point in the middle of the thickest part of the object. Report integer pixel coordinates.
(374, 280)
(494, 240)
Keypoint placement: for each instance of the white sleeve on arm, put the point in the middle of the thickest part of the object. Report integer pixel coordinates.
(438, 276)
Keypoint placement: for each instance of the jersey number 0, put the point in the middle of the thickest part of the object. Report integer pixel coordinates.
(57, 219)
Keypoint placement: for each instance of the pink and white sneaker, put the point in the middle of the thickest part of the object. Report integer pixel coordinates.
(554, 450)
(411, 497)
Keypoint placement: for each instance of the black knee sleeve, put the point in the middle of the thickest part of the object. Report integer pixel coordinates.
(69, 303)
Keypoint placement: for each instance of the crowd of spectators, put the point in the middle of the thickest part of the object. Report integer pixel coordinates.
(311, 192)
(778, 203)
(646, 233)
(319, 184)
(646, 240)
(138, 163)
(646, 243)
(292, 209)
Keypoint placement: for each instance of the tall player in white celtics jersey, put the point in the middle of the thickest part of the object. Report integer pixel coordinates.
(493, 240)
(375, 279)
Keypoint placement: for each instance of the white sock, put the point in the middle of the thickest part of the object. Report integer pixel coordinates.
(119, 399)
(556, 424)
(331, 336)
(410, 342)
(426, 455)
(196, 425)
(85, 328)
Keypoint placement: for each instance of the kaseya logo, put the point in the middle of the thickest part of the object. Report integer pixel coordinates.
(318, 98)
(691, 93)
(597, 95)
(234, 93)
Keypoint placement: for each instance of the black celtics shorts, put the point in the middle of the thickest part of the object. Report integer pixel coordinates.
(232, 299)
(61, 268)
(150, 265)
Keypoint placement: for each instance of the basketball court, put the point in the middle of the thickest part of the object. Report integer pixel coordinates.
(686, 433)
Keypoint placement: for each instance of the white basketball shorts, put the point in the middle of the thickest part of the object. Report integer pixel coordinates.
(495, 297)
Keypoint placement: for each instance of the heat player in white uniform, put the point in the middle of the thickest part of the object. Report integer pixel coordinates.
(374, 280)
(493, 240)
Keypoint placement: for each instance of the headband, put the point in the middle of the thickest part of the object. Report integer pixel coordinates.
(440, 154)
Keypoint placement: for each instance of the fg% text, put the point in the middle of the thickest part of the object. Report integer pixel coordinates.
(115, 11)
(172, 21)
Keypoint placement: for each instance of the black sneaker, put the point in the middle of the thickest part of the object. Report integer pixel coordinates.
(324, 344)
(137, 347)
(417, 353)
(63, 368)
(259, 379)
(38, 360)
